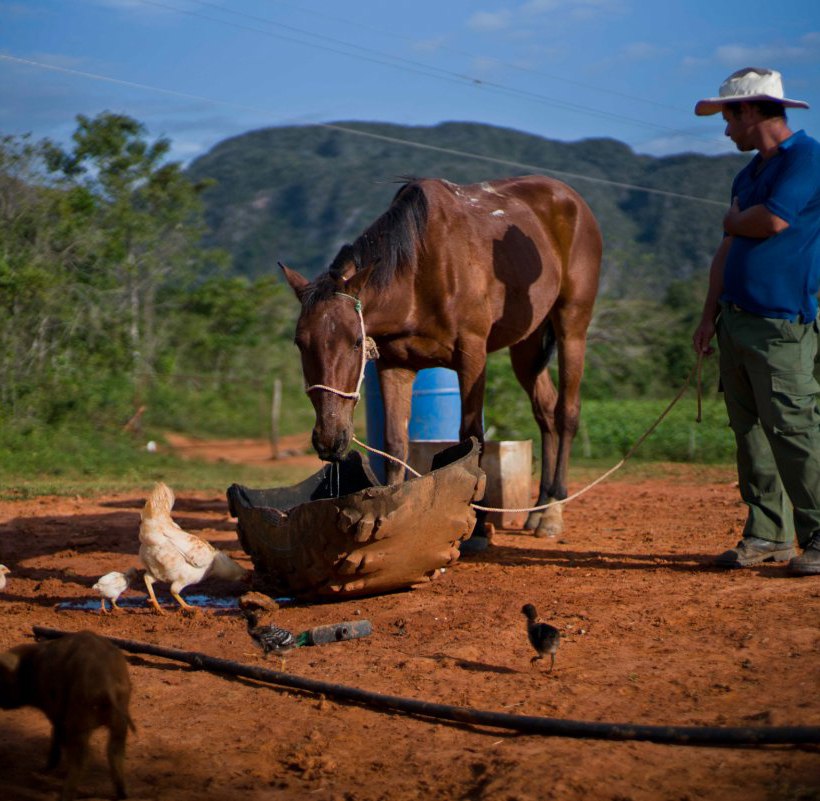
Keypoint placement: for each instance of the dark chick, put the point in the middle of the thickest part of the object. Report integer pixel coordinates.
(543, 637)
(271, 639)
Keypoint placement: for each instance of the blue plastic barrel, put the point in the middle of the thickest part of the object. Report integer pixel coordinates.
(436, 410)
(435, 413)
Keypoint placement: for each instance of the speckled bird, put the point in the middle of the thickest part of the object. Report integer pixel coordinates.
(3, 571)
(271, 639)
(543, 637)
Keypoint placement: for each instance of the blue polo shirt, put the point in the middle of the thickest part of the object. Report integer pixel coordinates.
(778, 276)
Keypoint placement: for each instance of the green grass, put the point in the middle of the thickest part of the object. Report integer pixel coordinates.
(609, 429)
(83, 462)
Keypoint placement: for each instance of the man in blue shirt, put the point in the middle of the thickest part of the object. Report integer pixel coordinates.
(762, 304)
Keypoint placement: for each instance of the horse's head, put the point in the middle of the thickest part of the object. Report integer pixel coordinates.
(331, 343)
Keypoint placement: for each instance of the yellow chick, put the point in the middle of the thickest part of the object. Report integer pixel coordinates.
(175, 556)
(114, 584)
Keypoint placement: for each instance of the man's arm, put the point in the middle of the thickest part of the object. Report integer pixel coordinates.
(706, 330)
(756, 222)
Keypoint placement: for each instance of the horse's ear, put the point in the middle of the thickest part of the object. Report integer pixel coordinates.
(298, 282)
(356, 283)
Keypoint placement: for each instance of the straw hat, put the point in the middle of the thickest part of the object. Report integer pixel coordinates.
(747, 85)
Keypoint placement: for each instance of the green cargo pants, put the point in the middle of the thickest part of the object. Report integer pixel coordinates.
(766, 371)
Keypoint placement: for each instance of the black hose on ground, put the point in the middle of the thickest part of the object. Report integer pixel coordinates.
(526, 724)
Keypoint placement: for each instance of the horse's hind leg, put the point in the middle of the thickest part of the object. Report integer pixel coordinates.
(570, 321)
(527, 359)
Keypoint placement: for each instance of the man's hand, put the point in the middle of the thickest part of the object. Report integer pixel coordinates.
(756, 222)
(730, 218)
(703, 336)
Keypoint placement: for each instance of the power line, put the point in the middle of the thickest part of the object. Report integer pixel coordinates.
(401, 63)
(368, 134)
(499, 62)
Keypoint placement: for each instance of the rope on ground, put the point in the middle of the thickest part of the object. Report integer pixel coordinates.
(541, 507)
(528, 724)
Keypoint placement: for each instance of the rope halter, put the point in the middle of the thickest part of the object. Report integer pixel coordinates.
(369, 351)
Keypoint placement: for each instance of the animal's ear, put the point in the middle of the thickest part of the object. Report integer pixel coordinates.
(9, 661)
(356, 283)
(349, 270)
(298, 282)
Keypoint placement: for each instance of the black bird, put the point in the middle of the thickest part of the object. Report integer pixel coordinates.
(271, 639)
(543, 637)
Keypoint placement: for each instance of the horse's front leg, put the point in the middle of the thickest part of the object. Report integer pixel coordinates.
(472, 375)
(397, 395)
(527, 358)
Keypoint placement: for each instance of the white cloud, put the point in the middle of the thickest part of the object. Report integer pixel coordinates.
(683, 142)
(483, 65)
(490, 20)
(758, 55)
(147, 12)
(693, 62)
(16, 10)
(735, 55)
(642, 51)
(124, 4)
(577, 9)
(431, 44)
(539, 6)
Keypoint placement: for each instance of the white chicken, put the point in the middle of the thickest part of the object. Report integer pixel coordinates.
(114, 584)
(3, 571)
(175, 556)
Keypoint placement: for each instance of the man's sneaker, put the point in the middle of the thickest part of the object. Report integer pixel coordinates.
(753, 550)
(808, 563)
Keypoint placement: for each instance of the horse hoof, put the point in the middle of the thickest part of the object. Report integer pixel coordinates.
(552, 522)
(474, 544)
(533, 519)
(548, 529)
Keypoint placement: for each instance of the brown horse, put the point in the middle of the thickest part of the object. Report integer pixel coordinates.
(445, 276)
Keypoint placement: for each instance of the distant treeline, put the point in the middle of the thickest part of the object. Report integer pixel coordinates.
(109, 301)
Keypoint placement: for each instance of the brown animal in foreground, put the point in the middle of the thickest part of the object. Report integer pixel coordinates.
(80, 682)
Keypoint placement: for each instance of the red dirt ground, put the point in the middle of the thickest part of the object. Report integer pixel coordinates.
(651, 634)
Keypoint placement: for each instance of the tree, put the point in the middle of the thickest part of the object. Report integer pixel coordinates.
(149, 219)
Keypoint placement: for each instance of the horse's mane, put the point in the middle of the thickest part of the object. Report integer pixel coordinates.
(390, 245)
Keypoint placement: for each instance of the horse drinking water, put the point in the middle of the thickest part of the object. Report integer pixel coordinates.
(445, 276)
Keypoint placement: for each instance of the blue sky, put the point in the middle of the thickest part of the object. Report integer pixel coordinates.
(563, 69)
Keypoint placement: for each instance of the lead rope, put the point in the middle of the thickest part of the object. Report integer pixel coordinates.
(369, 351)
(695, 369)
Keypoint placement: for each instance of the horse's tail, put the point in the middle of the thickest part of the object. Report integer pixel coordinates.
(547, 347)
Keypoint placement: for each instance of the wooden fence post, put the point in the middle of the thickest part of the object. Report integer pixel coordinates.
(275, 409)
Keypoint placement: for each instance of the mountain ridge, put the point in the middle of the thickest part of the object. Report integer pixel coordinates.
(296, 194)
